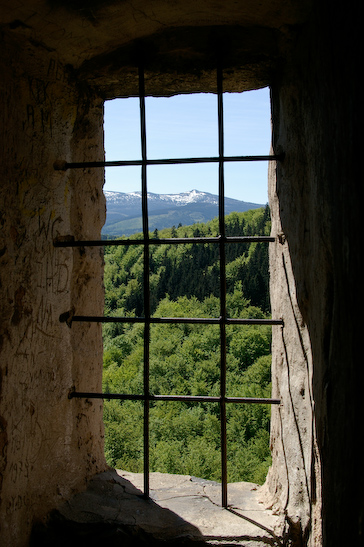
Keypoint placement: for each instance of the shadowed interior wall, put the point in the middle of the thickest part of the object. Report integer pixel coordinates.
(316, 197)
(48, 446)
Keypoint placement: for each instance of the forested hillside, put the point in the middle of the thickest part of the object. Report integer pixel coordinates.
(184, 358)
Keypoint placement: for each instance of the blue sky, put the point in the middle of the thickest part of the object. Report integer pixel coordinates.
(186, 126)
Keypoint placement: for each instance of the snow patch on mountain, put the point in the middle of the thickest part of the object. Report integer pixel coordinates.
(184, 198)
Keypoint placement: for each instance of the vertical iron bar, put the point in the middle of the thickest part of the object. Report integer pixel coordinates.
(222, 289)
(146, 280)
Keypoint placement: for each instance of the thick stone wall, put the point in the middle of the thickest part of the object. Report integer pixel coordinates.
(315, 279)
(293, 485)
(49, 445)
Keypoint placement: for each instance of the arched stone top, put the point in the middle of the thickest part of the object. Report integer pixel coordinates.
(103, 40)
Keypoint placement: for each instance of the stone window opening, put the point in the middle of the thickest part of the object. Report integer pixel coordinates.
(59, 64)
(147, 319)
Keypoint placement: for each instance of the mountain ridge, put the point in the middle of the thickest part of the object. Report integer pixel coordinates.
(123, 215)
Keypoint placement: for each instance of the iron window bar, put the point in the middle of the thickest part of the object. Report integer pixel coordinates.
(64, 165)
(147, 320)
(146, 366)
(183, 398)
(69, 319)
(223, 311)
(62, 241)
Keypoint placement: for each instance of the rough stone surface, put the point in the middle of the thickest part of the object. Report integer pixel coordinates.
(49, 445)
(83, 30)
(181, 510)
(292, 478)
(316, 285)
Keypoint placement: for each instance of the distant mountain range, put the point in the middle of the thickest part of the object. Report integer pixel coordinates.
(124, 210)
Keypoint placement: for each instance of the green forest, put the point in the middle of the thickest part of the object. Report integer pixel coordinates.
(185, 358)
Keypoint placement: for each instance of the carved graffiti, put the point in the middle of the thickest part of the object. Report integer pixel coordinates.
(38, 114)
(15, 503)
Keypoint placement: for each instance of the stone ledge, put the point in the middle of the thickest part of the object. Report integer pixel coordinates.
(182, 510)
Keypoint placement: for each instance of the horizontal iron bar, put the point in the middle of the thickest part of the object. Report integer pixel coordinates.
(169, 320)
(64, 165)
(182, 398)
(66, 242)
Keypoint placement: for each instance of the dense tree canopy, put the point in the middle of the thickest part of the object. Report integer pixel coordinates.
(185, 358)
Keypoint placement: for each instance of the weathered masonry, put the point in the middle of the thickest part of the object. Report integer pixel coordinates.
(59, 62)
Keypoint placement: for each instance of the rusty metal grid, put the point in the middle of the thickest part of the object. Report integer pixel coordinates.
(147, 320)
